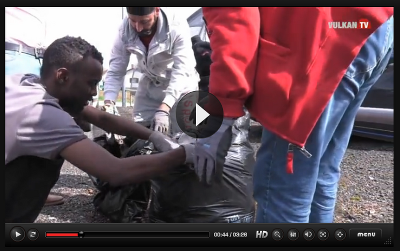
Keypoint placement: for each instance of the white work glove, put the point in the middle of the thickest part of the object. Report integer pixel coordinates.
(111, 137)
(210, 152)
(110, 108)
(163, 143)
(160, 122)
(189, 151)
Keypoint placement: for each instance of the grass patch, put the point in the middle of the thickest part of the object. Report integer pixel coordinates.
(355, 198)
(129, 97)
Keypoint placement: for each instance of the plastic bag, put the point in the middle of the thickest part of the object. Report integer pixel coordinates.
(179, 197)
(127, 204)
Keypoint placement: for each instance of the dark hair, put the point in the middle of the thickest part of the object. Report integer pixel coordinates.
(140, 11)
(67, 52)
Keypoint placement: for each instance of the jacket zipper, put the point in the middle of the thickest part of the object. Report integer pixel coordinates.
(147, 55)
(148, 51)
(290, 155)
(146, 59)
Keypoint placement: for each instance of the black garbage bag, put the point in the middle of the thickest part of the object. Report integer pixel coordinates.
(179, 197)
(127, 204)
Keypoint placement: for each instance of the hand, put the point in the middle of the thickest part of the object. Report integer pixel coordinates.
(160, 122)
(110, 108)
(189, 153)
(162, 142)
(210, 152)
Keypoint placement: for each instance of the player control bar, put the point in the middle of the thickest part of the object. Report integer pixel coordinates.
(130, 234)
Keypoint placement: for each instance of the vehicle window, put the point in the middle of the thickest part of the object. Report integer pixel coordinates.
(197, 25)
(196, 19)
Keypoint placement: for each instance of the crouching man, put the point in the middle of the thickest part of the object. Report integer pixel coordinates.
(41, 133)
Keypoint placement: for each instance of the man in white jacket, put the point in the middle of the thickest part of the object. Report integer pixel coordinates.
(161, 43)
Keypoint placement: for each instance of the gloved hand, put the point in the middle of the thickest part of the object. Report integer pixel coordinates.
(162, 142)
(109, 108)
(189, 151)
(111, 137)
(210, 153)
(160, 122)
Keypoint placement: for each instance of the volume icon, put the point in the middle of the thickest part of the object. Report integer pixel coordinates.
(308, 234)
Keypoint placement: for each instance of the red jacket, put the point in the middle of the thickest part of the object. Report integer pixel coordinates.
(283, 63)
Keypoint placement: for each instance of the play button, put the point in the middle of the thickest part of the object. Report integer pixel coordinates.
(17, 234)
(199, 114)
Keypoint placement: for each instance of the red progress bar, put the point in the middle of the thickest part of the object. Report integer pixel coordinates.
(62, 235)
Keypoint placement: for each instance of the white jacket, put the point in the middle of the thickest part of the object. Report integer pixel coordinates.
(170, 59)
(26, 25)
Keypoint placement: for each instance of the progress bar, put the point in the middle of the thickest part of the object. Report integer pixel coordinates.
(146, 234)
(134, 234)
(60, 234)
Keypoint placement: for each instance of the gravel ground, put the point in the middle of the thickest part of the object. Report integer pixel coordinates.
(365, 192)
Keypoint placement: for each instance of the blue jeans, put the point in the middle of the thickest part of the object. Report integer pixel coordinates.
(21, 63)
(309, 194)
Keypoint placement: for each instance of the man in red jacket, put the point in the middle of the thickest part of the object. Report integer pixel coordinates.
(304, 81)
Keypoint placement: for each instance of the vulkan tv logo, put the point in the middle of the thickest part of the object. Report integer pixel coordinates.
(361, 24)
(364, 24)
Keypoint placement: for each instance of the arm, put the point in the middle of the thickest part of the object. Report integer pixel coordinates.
(48, 132)
(234, 36)
(123, 126)
(183, 67)
(119, 172)
(115, 124)
(119, 60)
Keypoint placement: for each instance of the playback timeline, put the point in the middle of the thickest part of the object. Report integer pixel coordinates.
(199, 235)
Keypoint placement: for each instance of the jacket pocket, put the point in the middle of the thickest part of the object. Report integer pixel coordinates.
(156, 93)
(272, 58)
(269, 48)
(273, 77)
